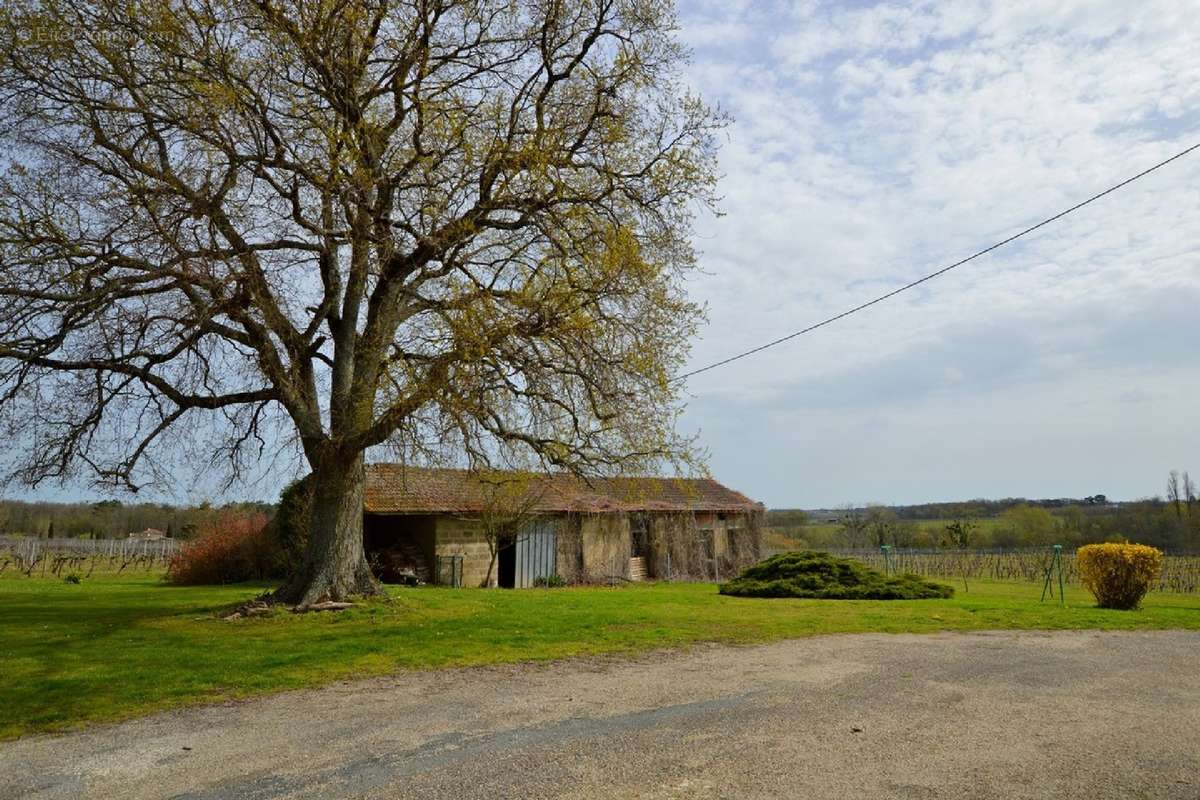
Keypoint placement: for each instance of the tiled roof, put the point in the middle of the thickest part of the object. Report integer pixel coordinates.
(398, 489)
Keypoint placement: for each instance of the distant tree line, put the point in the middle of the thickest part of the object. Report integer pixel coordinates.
(1172, 524)
(110, 519)
(977, 508)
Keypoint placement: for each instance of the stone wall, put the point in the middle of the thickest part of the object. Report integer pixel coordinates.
(704, 546)
(744, 533)
(570, 549)
(463, 536)
(674, 550)
(605, 545)
(596, 547)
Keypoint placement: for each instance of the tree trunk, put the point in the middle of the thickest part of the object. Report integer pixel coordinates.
(487, 579)
(335, 566)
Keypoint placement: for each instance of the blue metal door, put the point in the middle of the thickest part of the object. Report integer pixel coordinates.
(536, 553)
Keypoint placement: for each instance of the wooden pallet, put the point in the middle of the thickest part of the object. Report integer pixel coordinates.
(637, 569)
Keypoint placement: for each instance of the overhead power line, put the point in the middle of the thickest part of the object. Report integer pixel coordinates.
(936, 274)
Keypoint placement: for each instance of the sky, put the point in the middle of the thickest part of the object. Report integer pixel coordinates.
(873, 143)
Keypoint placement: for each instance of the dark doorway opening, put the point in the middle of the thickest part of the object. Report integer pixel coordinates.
(639, 535)
(400, 548)
(530, 558)
(506, 566)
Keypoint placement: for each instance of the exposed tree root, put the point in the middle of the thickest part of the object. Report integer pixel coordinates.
(325, 605)
(263, 605)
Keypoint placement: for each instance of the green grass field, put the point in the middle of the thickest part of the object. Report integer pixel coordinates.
(113, 648)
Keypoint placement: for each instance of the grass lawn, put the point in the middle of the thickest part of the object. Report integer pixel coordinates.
(116, 647)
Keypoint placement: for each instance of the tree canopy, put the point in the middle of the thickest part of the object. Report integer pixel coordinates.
(461, 229)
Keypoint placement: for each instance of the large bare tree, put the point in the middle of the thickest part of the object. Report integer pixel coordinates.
(447, 227)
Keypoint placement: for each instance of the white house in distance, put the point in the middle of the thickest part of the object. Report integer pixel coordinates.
(148, 535)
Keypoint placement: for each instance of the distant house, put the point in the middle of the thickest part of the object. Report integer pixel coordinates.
(149, 535)
(441, 524)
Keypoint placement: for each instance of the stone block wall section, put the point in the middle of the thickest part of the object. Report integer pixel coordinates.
(605, 544)
(463, 536)
(591, 548)
(706, 546)
(594, 548)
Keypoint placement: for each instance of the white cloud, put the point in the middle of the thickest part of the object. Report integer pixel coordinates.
(874, 144)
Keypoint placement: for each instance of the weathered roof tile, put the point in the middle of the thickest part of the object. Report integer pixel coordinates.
(398, 489)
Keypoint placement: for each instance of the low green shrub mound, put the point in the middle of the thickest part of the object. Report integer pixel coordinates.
(813, 574)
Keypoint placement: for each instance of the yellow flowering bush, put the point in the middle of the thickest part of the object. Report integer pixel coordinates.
(1118, 575)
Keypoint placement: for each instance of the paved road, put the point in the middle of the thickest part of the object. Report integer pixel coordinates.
(1002, 715)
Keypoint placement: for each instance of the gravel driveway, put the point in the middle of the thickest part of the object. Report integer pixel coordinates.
(1063, 715)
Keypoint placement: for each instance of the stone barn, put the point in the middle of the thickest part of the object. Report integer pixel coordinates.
(517, 530)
